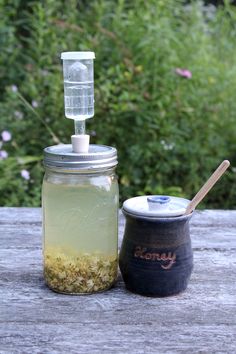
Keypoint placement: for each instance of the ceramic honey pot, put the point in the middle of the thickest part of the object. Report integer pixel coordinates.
(156, 257)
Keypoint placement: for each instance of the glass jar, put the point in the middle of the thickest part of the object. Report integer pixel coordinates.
(80, 219)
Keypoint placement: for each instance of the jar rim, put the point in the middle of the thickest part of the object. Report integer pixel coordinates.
(62, 157)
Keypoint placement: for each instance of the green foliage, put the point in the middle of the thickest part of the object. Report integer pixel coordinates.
(171, 132)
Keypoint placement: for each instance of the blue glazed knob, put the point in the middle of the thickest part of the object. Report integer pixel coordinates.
(159, 199)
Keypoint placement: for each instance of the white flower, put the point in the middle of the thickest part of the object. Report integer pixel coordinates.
(93, 133)
(18, 115)
(34, 104)
(25, 174)
(62, 275)
(106, 278)
(167, 146)
(45, 72)
(6, 135)
(3, 155)
(14, 88)
(90, 283)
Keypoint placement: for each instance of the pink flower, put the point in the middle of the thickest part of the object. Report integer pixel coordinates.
(25, 174)
(3, 155)
(184, 73)
(6, 135)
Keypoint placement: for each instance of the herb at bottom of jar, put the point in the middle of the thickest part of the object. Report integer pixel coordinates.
(83, 273)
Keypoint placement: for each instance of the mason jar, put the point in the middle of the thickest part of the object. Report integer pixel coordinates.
(80, 219)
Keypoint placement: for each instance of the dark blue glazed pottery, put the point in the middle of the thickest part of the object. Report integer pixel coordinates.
(156, 257)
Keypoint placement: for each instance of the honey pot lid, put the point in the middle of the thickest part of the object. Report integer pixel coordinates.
(156, 206)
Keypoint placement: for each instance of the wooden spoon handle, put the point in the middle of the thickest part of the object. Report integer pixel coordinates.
(207, 186)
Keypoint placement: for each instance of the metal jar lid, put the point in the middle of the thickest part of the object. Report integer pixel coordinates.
(156, 206)
(63, 158)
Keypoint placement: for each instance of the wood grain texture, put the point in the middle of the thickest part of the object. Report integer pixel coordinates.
(33, 319)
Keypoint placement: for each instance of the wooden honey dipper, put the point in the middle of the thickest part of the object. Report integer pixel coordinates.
(207, 186)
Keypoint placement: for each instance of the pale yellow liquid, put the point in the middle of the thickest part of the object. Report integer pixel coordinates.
(80, 234)
(81, 218)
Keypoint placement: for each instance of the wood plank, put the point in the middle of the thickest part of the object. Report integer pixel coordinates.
(206, 309)
(205, 218)
(119, 338)
(20, 215)
(209, 229)
(33, 319)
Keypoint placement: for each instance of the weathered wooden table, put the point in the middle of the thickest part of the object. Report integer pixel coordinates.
(34, 319)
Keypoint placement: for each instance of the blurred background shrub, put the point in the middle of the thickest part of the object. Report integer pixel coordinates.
(165, 84)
